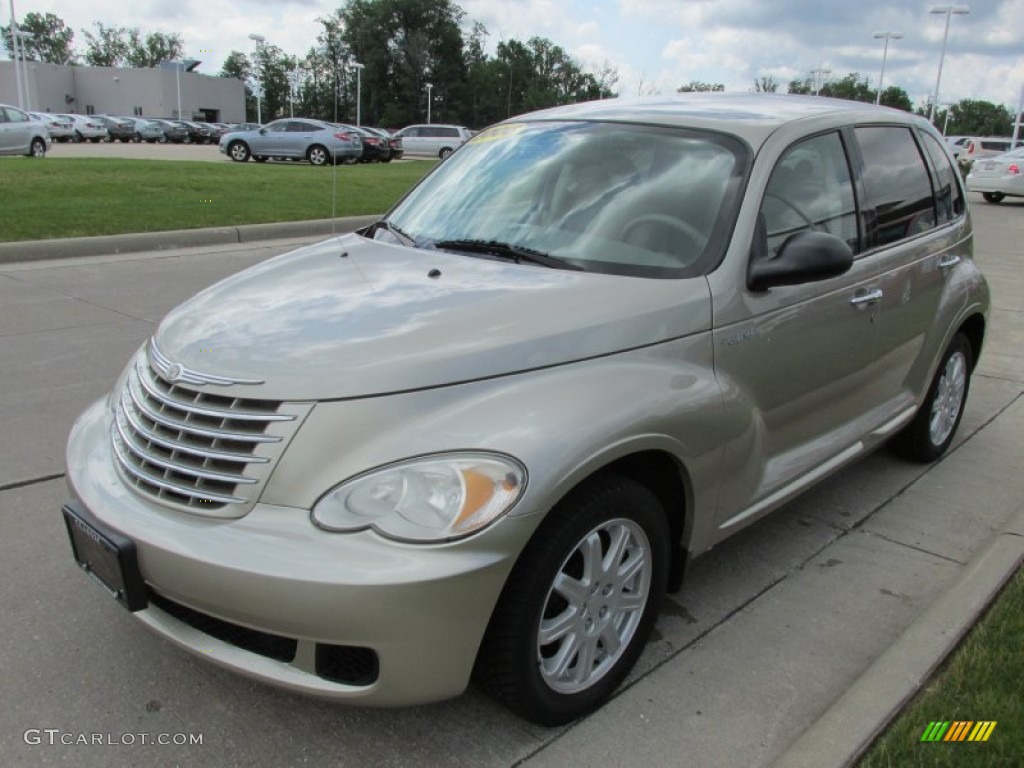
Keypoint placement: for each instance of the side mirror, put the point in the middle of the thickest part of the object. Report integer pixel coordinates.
(804, 258)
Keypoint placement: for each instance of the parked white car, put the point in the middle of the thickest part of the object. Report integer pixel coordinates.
(59, 128)
(997, 178)
(87, 129)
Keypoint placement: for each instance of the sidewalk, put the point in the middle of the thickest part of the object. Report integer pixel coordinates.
(61, 248)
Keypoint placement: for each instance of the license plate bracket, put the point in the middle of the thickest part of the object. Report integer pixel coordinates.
(108, 557)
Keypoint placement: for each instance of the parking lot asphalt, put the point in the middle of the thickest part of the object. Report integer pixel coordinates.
(791, 644)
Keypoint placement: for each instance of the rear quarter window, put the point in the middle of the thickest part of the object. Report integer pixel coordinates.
(949, 198)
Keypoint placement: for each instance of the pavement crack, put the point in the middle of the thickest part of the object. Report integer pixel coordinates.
(922, 550)
(26, 483)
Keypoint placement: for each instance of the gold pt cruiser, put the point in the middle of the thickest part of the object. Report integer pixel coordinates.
(482, 437)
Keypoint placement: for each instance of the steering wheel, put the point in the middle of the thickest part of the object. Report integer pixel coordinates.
(697, 238)
(807, 219)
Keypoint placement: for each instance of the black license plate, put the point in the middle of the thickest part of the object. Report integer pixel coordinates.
(107, 556)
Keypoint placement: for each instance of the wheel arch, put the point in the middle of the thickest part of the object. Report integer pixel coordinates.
(974, 329)
(662, 474)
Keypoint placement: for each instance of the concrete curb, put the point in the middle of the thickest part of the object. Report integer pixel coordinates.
(68, 247)
(842, 735)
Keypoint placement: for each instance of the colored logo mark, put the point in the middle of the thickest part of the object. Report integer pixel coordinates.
(958, 730)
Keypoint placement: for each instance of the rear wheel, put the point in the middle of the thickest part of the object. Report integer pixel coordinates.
(580, 603)
(993, 197)
(37, 148)
(318, 155)
(929, 435)
(445, 151)
(238, 151)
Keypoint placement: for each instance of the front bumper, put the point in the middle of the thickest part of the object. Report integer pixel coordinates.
(421, 610)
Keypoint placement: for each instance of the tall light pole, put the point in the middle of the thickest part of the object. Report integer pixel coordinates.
(430, 87)
(949, 11)
(359, 87)
(258, 39)
(821, 72)
(22, 37)
(16, 57)
(885, 53)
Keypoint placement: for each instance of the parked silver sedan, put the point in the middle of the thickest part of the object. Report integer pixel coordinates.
(295, 138)
(21, 135)
(59, 128)
(998, 177)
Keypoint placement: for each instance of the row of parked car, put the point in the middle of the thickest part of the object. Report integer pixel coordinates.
(322, 142)
(96, 128)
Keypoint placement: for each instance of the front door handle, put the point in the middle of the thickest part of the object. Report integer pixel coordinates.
(949, 261)
(871, 297)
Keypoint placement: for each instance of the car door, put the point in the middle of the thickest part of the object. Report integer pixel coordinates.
(270, 140)
(795, 362)
(15, 130)
(917, 233)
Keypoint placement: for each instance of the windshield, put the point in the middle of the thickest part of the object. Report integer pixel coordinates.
(607, 197)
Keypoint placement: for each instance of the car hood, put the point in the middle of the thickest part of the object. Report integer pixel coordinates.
(351, 317)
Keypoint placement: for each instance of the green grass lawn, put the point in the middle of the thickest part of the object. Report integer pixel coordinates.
(74, 197)
(982, 680)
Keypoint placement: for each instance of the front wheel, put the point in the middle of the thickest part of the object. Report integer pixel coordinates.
(929, 435)
(445, 151)
(38, 148)
(993, 197)
(238, 151)
(580, 603)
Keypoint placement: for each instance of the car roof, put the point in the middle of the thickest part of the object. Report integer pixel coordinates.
(752, 116)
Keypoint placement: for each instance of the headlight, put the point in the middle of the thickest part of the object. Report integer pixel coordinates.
(434, 498)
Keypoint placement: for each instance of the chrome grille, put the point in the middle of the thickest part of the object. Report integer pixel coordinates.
(207, 453)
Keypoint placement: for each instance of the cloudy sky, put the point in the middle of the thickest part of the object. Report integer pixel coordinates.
(656, 45)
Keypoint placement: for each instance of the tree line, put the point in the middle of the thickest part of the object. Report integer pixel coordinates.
(404, 45)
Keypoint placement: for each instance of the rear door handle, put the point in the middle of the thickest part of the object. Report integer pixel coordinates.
(871, 297)
(949, 261)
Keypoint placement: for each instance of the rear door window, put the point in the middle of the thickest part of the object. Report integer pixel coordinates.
(899, 191)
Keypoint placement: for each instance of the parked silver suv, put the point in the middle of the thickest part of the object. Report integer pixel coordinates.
(487, 433)
(433, 139)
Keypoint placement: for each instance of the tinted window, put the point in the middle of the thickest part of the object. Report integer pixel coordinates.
(949, 200)
(810, 189)
(16, 115)
(898, 188)
(447, 132)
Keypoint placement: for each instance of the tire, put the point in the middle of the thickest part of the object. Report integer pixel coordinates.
(260, 158)
(386, 159)
(96, 139)
(318, 155)
(108, 139)
(993, 197)
(547, 682)
(445, 151)
(37, 148)
(238, 151)
(929, 435)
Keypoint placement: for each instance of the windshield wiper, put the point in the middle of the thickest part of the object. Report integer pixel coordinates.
(516, 253)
